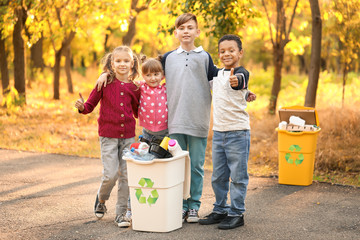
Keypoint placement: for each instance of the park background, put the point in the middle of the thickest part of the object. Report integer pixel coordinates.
(298, 52)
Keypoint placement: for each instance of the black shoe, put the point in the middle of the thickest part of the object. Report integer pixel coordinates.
(231, 222)
(212, 218)
(100, 208)
(184, 215)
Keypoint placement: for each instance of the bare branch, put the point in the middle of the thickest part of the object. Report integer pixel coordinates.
(58, 16)
(140, 9)
(52, 34)
(269, 21)
(292, 20)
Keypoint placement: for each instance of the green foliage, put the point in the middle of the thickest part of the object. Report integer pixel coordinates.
(12, 100)
(343, 21)
(220, 16)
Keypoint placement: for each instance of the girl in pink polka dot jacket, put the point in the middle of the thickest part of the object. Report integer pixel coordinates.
(153, 112)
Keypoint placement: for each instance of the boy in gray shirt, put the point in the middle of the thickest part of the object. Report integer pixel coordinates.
(188, 70)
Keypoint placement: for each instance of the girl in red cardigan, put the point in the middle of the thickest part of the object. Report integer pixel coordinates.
(119, 103)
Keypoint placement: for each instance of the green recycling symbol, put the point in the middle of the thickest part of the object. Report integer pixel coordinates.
(139, 194)
(299, 159)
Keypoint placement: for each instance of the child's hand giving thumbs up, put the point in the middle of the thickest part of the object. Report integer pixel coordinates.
(233, 79)
(80, 103)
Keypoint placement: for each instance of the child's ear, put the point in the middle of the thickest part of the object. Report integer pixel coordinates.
(198, 32)
(241, 52)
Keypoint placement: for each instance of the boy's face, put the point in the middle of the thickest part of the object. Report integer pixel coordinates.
(187, 32)
(229, 54)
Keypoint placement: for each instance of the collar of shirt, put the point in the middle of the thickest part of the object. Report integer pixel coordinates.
(198, 49)
(160, 86)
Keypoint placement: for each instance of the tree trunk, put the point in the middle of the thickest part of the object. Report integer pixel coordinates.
(19, 57)
(107, 35)
(68, 69)
(278, 62)
(4, 67)
(345, 70)
(64, 47)
(36, 60)
(302, 64)
(57, 74)
(127, 39)
(338, 59)
(37, 54)
(310, 97)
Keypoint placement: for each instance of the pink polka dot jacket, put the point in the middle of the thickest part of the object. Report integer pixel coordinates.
(153, 112)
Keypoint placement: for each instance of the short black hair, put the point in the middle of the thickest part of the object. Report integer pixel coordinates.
(231, 37)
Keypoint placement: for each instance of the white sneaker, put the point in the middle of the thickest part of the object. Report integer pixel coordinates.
(193, 216)
(124, 220)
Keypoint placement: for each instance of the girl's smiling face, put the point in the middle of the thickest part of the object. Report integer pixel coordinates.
(122, 64)
(153, 79)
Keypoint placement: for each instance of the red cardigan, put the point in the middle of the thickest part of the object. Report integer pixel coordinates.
(119, 104)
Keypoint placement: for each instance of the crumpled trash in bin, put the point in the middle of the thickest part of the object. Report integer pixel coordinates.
(296, 121)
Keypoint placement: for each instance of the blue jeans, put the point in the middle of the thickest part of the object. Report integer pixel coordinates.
(196, 147)
(230, 153)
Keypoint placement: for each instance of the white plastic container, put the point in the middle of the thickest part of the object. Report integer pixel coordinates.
(157, 190)
(174, 147)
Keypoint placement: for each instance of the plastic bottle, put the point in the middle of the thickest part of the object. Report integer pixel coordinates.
(143, 148)
(142, 153)
(164, 143)
(174, 147)
(142, 139)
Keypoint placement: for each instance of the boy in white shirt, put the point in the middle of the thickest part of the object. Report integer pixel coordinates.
(231, 139)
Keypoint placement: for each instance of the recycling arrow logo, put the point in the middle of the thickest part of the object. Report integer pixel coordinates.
(300, 157)
(153, 197)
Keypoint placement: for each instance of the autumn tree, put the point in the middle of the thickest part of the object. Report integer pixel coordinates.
(344, 18)
(220, 16)
(135, 10)
(34, 29)
(279, 35)
(3, 55)
(65, 17)
(19, 50)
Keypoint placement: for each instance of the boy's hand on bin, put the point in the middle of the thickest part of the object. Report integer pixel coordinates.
(233, 79)
(80, 103)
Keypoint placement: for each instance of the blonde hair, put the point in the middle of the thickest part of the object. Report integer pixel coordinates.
(184, 18)
(109, 58)
(151, 65)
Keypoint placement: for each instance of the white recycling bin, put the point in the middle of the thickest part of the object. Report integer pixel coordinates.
(157, 188)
